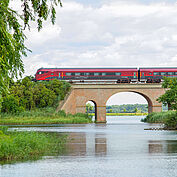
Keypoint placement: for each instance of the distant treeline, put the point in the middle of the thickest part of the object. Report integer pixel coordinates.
(125, 108)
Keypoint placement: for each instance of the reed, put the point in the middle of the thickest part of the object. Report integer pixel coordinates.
(43, 116)
(15, 146)
(169, 119)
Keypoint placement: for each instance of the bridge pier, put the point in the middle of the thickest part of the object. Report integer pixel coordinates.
(156, 108)
(101, 114)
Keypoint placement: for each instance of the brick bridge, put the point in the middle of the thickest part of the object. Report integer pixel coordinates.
(80, 94)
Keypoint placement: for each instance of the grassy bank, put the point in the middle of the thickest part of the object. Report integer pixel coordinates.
(21, 146)
(123, 114)
(43, 116)
(169, 119)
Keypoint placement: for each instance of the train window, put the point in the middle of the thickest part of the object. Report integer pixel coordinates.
(150, 73)
(117, 74)
(87, 74)
(82, 74)
(96, 74)
(170, 73)
(51, 73)
(156, 73)
(68, 74)
(110, 74)
(41, 72)
(77, 74)
(163, 73)
(103, 74)
(54, 77)
(175, 73)
(91, 74)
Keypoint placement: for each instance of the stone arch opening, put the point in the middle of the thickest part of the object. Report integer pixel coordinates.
(149, 101)
(129, 97)
(91, 108)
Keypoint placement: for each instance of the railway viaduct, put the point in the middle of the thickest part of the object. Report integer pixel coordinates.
(80, 94)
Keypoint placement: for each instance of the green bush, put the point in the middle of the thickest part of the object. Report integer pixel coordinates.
(3, 129)
(61, 113)
(10, 104)
(169, 119)
(27, 95)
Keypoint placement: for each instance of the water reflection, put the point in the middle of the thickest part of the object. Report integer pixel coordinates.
(100, 144)
(80, 144)
(76, 145)
(166, 146)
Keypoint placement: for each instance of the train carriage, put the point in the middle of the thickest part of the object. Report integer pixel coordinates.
(156, 75)
(120, 75)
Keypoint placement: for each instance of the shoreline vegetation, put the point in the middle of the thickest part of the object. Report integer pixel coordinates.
(123, 114)
(50, 116)
(168, 119)
(43, 116)
(22, 146)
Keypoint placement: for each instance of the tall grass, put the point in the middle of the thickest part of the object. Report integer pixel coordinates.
(15, 146)
(169, 119)
(44, 116)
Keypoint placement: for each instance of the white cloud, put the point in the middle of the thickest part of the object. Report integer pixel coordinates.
(123, 33)
(113, 33)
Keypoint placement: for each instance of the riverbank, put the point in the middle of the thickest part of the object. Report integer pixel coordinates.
(21, 146)
(43, 116)
(169, 119)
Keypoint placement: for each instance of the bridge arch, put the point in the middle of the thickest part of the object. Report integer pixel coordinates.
(95, 105)
(147, 98)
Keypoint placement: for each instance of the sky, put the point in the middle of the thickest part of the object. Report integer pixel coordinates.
(106, 33)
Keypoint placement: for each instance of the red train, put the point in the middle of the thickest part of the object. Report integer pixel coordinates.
(120, 75)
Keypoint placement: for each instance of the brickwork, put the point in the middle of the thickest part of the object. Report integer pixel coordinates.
(99, 94)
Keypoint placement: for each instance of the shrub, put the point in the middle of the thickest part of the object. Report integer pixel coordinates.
(10, 104)
(171, 120)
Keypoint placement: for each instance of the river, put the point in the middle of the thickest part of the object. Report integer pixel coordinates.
(120, 148)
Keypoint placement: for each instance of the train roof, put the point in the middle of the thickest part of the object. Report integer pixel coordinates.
(89, 69)
(94, 68)
(158, 69)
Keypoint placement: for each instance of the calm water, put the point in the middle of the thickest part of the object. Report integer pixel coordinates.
(120, 148)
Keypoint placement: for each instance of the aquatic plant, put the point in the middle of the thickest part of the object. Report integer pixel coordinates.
(28, 145)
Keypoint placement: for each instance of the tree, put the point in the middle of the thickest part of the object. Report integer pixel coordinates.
(12, 37)
(170, 96)
(11, 105)
(136, 110)
(89, 108)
